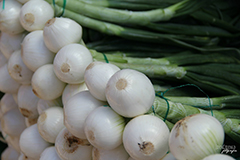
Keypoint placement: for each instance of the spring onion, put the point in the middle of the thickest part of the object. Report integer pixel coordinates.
(9, 15)
(10, 43)
(45, 83)
(45, 104)
(27, 101)
(34, 51)
(34, 15)
(13, 122)
(31, 143)
(96, 78)
(30, 121)
(104, 128)
(10, 154)
(130, 93)
(3, 59)
(59, 32)
(118, 153)
(50, 123)
(18, 70)
(7, 83)
(218, 157)
(72, 89)
(71, 62)
(196, 136)
(76, 110)
(7, 103)
(69, 147)
(49, 153)
(146, 137)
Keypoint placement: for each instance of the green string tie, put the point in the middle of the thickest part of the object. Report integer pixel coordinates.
(63, 7)
(105, 58)
(54, 5)
(3, 4)
(161, 95)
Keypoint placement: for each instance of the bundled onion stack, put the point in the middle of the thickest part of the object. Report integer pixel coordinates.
(60, 103)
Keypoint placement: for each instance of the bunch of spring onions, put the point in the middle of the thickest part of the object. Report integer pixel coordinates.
(134, 90)
(185, 37)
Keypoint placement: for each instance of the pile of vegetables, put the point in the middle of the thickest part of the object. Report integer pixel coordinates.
(122, 80)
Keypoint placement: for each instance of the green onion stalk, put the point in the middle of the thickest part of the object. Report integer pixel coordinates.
(130, 5)
(132, 33)
(202, 44)
(132, 48)
(107, 3)
(130, 17)
(179, 28)
(208, 18)
(135, 48)
(190, 29)
(223, 102)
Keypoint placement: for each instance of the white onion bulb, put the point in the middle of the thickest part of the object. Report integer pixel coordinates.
(9, 153)
(18, 70)
(27, 101)
(23, 1)
(1, 114)
(104, 128)
(70, 147)
(168, 156)
(7, 83)
(13, 122)
(34, 14)
(8, 103)
(72, 89)
(50, 153)
(96, 77)
(10, 43)
(31, 142)
(71, 62)
(118, 153)
(45, 104)
(130, 93)
(218, 157)
(196, 136)
(145, 137)
(15, 97)
(34, 52)
(30, 121)
(3, 59)
(45, 83)
(50, 123)
(24, 157)
(60, 31)
(9, 16)
(76, 111)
